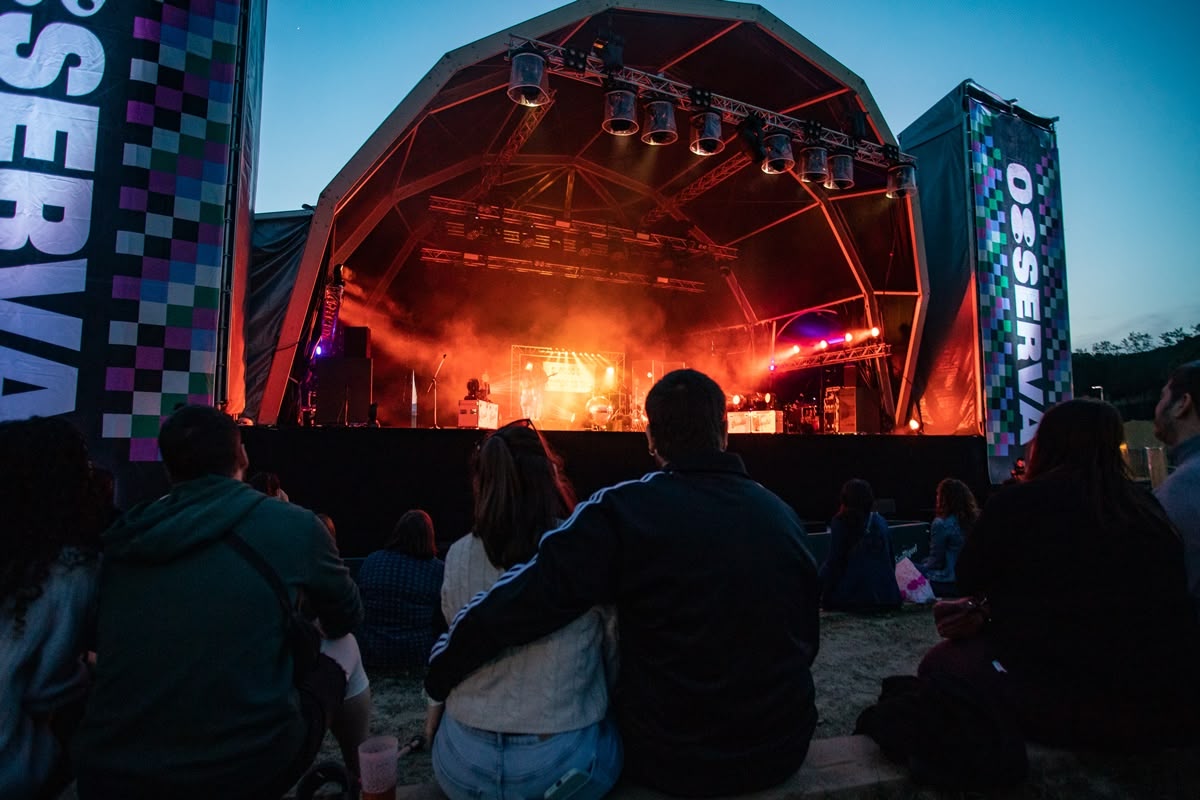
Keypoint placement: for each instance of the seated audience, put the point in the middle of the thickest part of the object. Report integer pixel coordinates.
(268, 484)
(196, 692)
(527, 719)
(716, 594)
(860, 572)
(956, 513)
(52, 513)
(401, 589)
(1177, 425)
(1092, 639)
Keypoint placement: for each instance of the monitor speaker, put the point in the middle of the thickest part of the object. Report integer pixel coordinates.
(356, 341)
(343, 391)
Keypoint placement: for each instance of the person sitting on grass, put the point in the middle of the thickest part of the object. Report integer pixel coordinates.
(1092, 639)
(860, 572)
(48, 580)
(401, 589)
(956, 512)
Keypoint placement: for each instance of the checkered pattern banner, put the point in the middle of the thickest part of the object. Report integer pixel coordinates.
(171, 231)
(1021, 271)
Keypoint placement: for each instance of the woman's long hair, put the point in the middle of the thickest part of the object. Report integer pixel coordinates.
(413, 535)
(1083, 437)
(49, 502)
(955, 499)
(520, 493)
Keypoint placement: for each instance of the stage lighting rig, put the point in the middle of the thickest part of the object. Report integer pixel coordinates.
(777, 153)
(620, 110)
(660, 123)
(528, 84)
(841, 170)
(814, 158)
(901, 174)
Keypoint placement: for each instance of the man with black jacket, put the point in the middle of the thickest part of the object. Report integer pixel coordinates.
(717, 601)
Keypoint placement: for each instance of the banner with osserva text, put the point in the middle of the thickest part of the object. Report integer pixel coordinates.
(116, 126)
(1021, 271)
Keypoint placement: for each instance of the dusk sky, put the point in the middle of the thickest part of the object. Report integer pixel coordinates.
(1124, 81)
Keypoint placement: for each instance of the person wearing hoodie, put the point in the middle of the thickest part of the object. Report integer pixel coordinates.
(194, 693)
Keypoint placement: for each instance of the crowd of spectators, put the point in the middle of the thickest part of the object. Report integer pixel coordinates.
(662, 630)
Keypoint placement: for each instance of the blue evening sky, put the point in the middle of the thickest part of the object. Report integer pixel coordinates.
(1124, 80)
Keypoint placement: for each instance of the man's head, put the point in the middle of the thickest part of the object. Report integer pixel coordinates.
(197, 440)
(1177, 415)
(686, 413)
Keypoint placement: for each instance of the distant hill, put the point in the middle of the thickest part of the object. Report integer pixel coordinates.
(1132, 381)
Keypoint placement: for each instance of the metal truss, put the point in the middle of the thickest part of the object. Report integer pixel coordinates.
(732, 111)
(545, 222)
(433, 255)
(520, 135)
(331, 307)
(707, 181)
(827, 358)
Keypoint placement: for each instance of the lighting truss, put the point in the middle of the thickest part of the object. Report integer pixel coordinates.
(532, 266)
(547, 223)
(732, 111)
(827, 358)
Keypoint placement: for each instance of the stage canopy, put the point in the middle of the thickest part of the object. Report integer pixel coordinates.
(468, 222)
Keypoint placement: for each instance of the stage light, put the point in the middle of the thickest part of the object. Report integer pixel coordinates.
(320, 349)
(849, 337)
(529, 366)
(474, 229)
(841, 171)
(777, 154)
(767, 398)
(914, 426)
(795, 349)
(610, 370)
(527, 81)
(620, 112)
(660, 123)
(737, 401)
(874, 332)
(901, 180)
(814, 164)
(821, 345)
(706, 134)
(617, 251)
(528, 237)
(650, 375)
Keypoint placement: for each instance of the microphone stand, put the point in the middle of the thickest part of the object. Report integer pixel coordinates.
(433, 386)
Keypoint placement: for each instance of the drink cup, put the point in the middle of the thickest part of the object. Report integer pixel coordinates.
(377, 766)
(1156, 465)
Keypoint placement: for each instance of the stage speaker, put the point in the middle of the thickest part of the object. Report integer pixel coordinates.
(343, 391)
(857, 410)
(356, 341)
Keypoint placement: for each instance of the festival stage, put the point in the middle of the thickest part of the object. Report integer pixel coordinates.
(365, 478)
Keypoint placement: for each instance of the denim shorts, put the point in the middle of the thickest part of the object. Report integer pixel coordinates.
(473, 763)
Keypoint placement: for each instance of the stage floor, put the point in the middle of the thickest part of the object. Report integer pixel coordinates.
(365, 478)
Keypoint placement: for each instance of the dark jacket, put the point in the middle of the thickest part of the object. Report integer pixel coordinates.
(194, 682)
(1093, 611)
(402, 595)
(860, 573)
(716, 596)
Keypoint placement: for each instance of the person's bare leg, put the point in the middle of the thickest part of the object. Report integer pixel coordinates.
(351, 727)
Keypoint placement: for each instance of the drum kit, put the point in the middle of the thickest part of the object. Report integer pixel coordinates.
(605, 415)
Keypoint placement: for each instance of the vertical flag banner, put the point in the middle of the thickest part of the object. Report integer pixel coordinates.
(1021, 277)
(121, 128)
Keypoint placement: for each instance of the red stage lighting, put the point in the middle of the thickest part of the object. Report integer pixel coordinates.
(849, 337)
(821, 345)
(874, 332)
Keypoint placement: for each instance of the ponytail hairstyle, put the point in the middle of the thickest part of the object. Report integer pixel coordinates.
(520, 493)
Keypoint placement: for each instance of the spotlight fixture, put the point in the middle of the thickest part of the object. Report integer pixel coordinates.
(575, 59)
(814, 164)
(528, 237)
(527, 81)
(874, 332)
(620, 111)
(823, 345)
(660, 123)
(777, 153)
(901, 180)
(849, 337)
(841, 171)
(617, 251)
(706, 134)
(583, 245)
